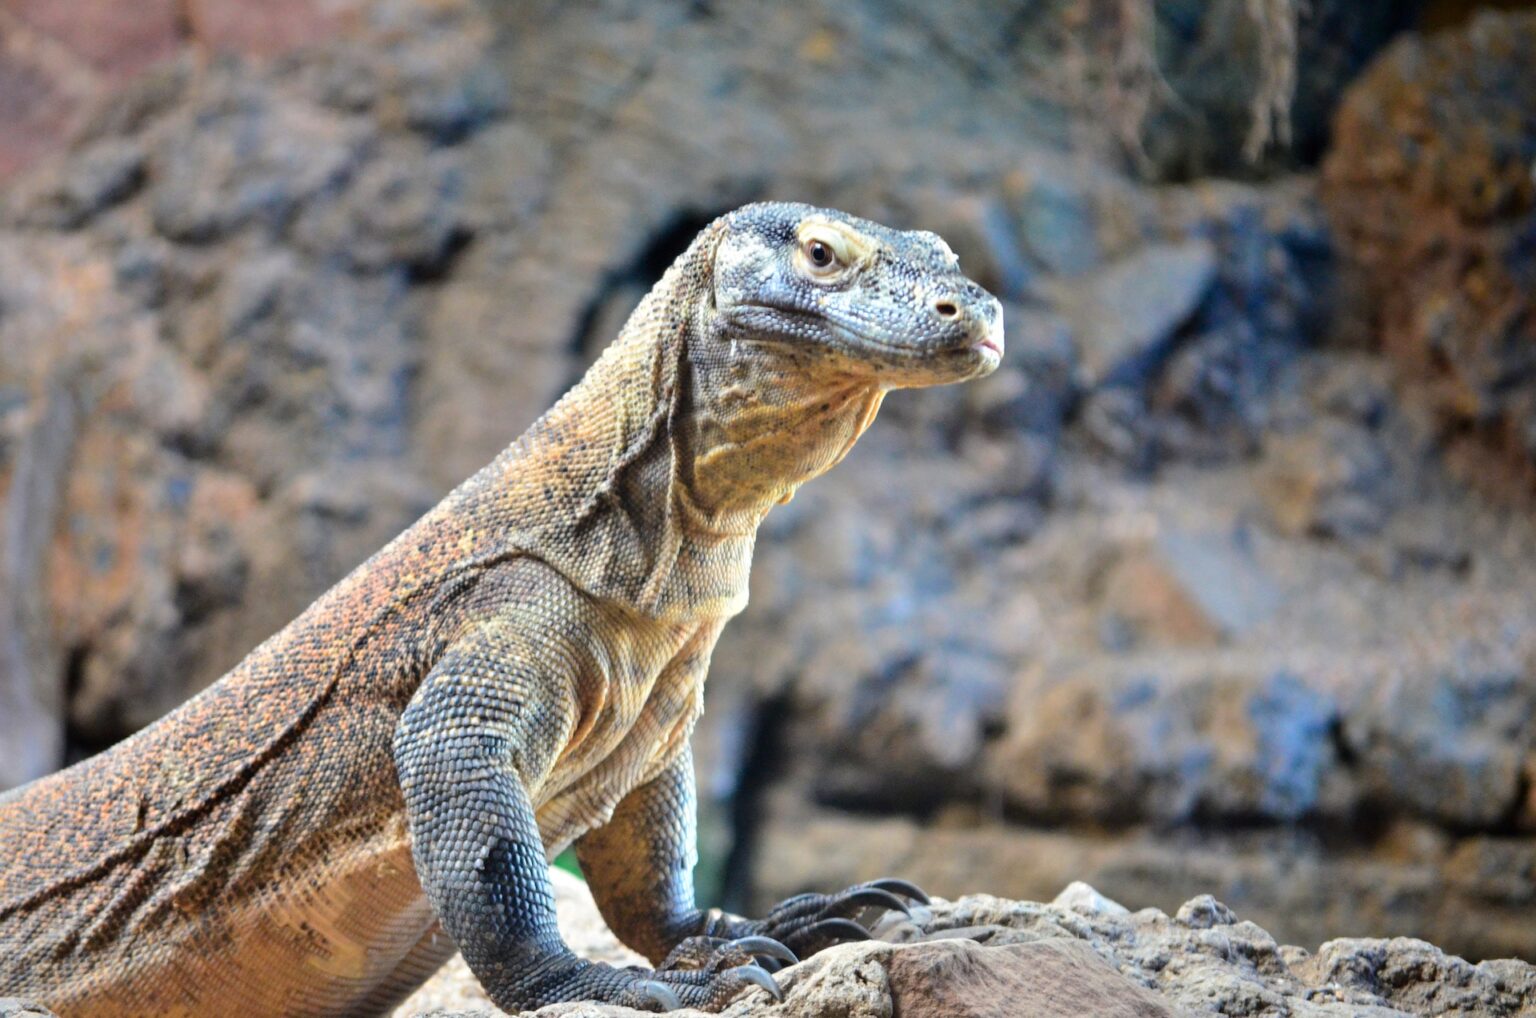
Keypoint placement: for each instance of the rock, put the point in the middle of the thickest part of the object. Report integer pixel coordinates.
(405, 209)
(39, 107)
(1059, 214)
(1418, 978)
(99, 177)
(1205, 912)
(1334, 481)
(58, 63)
(1081, 897)
(15, 1007)
(1430, 191)
(269, 29)
(983, 956)
(1180, 588)
(1122, 747)
(1199, 386)
(1127, 314)
(1206, 960)
(1036, 389)
(246, 160)
(102, 35)
(944, 977)
(32, 700)
(1440, 745)
(1411, 879)
(957, 979)
(1217, 60)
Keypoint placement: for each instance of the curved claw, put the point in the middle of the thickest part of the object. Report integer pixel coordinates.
(660, 993)
(765, 947)
(902, 887)
(876, 896)
(759, 977)
(839, 929)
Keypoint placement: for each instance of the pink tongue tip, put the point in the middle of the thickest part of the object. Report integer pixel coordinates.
(995, 333)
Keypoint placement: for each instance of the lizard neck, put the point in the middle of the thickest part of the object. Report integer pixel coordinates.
(647, 481)
(597, 489)
(758, 425)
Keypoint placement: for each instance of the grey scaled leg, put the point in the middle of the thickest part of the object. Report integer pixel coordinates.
(487, 715)
(640, 869)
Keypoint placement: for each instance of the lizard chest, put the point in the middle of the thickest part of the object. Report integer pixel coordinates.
(635, 712)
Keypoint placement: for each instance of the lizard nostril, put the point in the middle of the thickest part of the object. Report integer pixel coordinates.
(946, 309)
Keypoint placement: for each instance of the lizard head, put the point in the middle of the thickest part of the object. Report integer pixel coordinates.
(827, 288)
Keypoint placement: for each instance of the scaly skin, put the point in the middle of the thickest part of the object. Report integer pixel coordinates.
(517, 672)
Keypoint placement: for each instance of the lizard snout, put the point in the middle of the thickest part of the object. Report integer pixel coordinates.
(980, 315)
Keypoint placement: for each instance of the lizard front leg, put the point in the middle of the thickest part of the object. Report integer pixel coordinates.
(487, 718)
(640, 869)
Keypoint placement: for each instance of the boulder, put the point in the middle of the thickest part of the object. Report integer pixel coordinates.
(15, 1007)
(1185, 589)
(981, 956)
(1334, 480)
(1430, 191)
(1127, 314)
(1245, 88)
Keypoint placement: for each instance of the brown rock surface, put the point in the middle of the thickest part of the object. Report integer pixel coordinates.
(1043, 979)
(1431, 189)
(58, 59)
(14, 1007)
(301, 301)
(1197, 606)
(1080, 954)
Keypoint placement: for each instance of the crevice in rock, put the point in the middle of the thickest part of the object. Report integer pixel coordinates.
(761, 762)
(441, 266)
(79, 742)
(1338, 738)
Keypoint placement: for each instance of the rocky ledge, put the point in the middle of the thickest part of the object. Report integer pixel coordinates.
(1080, 954)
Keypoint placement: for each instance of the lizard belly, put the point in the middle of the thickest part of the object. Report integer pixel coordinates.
(318, 938)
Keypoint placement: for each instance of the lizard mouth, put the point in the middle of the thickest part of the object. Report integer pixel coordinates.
(769, 323)
(992, 341)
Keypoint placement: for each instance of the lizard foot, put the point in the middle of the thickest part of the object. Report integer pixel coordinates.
(716, 952)
(709, 988)
(807, 923)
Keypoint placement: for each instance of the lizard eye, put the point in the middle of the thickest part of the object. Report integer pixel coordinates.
(827, 251)
(819, 256)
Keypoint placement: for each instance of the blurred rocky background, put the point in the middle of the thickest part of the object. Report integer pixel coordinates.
(1225, 583)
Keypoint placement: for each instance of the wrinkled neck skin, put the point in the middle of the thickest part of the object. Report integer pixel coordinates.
(760, 419)
(647, 481)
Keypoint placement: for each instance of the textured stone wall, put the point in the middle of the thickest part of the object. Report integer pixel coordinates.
(1192, 596)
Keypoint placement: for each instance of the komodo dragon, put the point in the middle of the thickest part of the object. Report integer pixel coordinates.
(517, 672)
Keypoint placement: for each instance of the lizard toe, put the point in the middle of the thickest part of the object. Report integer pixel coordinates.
(659, 993)
(695, 953)
(824, 934)
(905, 888)
(765, 947)
(707, 991)
(757, 976)
(854, 900)
(716, 954)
